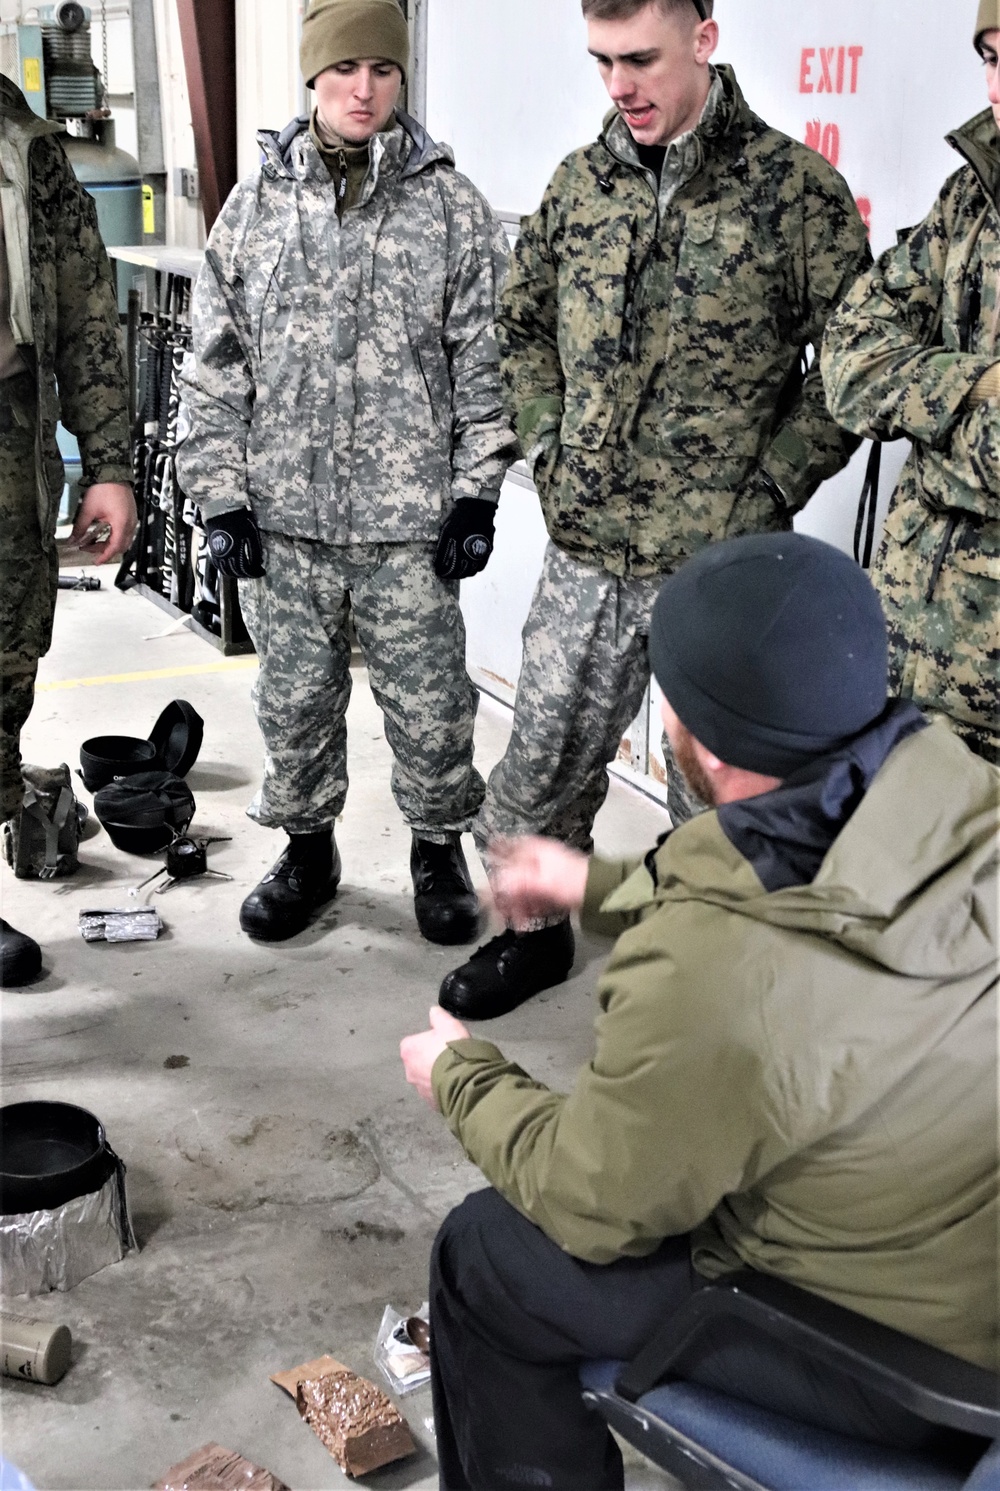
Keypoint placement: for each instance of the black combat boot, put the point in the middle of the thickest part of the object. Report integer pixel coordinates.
(305, 877)
(446, 905)
(506, 971)
(20, 957)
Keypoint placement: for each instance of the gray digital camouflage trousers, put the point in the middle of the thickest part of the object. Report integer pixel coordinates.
(412, 634)
(28, 584)
(584, 671)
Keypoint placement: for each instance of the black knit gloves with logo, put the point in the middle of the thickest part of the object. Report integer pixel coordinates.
(235, 546)
(466, 541)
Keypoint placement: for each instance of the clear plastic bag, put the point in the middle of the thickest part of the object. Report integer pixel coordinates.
(403, 1365)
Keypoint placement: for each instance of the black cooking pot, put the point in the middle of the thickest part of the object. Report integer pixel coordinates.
(144, 813)
(108, 756)
(50, 1153)
(173, 745)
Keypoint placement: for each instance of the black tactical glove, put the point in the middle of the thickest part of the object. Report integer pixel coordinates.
(466, 541)
(235, 546)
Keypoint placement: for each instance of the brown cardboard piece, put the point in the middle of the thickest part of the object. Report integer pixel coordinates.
(214, 1468)
(354, 1419)
(321, 1367)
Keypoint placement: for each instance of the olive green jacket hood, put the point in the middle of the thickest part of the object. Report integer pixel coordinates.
(911, 898)
(979, 142)
(803, 1079)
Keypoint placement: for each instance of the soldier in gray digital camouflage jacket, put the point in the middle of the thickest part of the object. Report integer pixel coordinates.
(347, 450)
(652, 335)
(60, 357)
(915, 352)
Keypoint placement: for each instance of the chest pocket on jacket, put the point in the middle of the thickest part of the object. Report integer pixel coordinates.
(729, 262)
(701, 221)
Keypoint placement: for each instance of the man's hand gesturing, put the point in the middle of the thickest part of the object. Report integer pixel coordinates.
(420, 1052)
(534, 877)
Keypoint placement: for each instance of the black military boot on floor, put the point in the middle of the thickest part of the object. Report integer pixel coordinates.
(20, 957)
(305, 878)
(506, 971)
(446, 905)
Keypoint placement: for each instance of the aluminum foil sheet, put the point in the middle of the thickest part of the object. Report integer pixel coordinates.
(124, 924)
(45, 1250)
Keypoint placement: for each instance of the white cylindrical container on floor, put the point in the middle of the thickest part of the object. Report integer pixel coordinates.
(33, 1350)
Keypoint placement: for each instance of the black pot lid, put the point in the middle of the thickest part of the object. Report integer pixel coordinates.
(177, 736)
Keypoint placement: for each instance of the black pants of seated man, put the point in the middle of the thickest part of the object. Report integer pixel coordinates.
(512, 1318)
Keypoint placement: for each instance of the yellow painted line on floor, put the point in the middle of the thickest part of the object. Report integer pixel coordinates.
(227, 665)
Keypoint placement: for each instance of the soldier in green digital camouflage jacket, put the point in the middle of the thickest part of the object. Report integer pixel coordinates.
(60, 356)
(914, 352)
(652, 334)
(347, 450)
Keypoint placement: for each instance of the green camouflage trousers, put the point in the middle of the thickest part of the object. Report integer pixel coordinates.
(411, 631)
(944, 653)
(28, 585)
(584, 672)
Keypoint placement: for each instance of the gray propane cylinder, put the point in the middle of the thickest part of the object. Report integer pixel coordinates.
(113, 179)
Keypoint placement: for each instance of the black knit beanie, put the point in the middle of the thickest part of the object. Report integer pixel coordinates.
(771, 649)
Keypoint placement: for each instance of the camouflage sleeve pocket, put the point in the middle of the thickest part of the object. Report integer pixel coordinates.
(976, 551)
(905, 520)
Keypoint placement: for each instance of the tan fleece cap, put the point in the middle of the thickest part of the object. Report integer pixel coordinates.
(346, 30)
(989, 18)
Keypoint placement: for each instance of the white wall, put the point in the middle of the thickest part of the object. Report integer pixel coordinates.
(185, 220)
(269, 87)
(511, 87)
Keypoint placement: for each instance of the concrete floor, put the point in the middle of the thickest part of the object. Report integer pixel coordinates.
(285, 1183)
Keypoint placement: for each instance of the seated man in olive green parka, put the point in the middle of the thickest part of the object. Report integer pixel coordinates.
(795, 1067)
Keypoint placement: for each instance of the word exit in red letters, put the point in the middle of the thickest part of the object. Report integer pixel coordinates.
(830, 69)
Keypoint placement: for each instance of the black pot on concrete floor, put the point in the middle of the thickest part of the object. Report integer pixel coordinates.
(105, 757)
(50, 1153)
(173, 745)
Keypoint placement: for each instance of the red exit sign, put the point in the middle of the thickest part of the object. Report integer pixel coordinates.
(830, 69)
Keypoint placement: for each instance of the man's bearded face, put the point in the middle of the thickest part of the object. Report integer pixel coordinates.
(692, 770)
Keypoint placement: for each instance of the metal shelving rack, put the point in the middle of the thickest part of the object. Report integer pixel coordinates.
(169, 562)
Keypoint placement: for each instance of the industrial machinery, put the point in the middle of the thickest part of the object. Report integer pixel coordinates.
(50, 58)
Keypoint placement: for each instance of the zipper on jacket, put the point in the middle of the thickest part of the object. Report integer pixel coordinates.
(342, 188)
(972, 307)
(941, 556)
(634, 276)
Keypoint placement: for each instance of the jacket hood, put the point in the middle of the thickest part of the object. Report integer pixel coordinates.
(14, 107)
(733, 113)
(978, 142)
(910, 883)
(423, 152)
